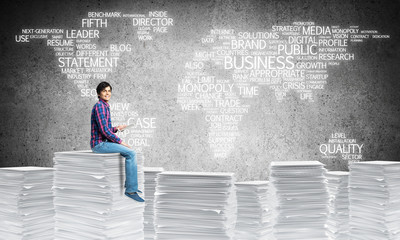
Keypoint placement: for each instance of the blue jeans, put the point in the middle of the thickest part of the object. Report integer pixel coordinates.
(131, 179)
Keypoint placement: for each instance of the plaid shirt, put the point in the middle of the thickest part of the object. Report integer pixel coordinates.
(101, 129)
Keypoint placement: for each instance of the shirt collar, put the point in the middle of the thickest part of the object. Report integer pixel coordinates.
(101, 100)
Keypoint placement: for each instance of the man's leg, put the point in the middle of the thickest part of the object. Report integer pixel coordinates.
(131, 181)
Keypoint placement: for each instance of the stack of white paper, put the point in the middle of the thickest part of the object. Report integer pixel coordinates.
(254, 216)
(374, 200)
(195, 205)
(300, 200)
(150, 175)
(26, 203)
(338, 218)
(89, 197)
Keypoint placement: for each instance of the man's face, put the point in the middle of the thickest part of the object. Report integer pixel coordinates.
(105, 94)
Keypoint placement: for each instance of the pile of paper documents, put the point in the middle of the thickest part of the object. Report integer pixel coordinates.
(150, 175)
(195, 205)
(300, 200)
(89, 197)
(338, 218)
(253, 216)
(26, 203)
(374, 196)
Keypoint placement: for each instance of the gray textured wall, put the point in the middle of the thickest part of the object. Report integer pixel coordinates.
(42, 112)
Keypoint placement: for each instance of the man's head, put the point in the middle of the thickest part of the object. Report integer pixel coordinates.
(104, 91)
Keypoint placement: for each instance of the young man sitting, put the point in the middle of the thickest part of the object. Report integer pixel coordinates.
(104, 140)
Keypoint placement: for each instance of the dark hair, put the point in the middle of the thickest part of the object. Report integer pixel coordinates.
(101, 87)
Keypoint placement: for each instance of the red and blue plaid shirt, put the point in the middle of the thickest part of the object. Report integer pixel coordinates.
(101, 128)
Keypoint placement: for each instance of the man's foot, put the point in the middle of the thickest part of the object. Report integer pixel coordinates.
(134, 196)
(137, 190)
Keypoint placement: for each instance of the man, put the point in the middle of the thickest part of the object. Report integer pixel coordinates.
(104, 140)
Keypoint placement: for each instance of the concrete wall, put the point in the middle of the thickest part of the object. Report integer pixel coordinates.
(42, 111)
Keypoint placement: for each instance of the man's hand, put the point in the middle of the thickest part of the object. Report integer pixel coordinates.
(124, 144)
(121, 127)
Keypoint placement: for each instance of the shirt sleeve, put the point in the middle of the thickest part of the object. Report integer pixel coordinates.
(100, 116)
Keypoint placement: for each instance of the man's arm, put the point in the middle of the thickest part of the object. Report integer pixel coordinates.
(100, 113)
